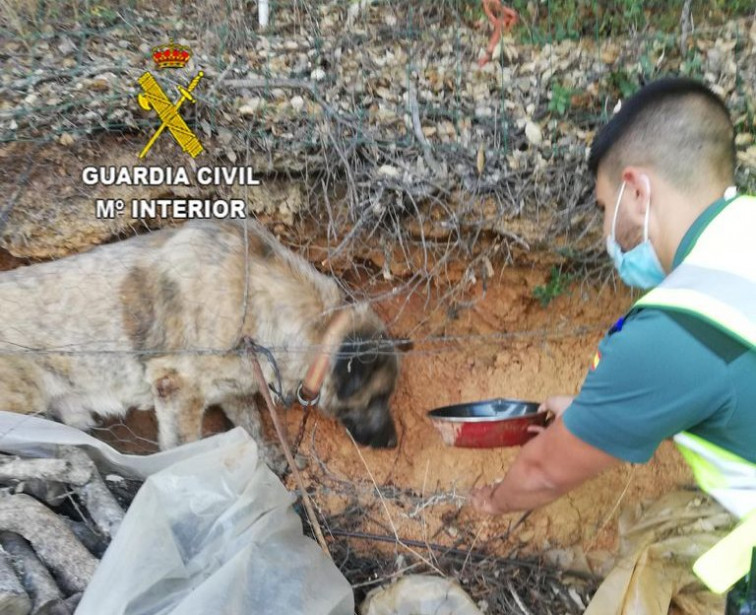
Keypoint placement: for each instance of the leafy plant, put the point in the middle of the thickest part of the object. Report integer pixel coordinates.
(560, 99)
(557, 285)
(623, 81)
(549, 21)
(693, 65)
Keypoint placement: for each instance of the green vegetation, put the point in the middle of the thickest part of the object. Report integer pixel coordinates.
(548, 21)
(557, 285)
(560, 99)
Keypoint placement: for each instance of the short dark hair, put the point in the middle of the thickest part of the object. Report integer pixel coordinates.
(678, 126)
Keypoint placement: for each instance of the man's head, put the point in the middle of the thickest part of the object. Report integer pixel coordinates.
(672, 145)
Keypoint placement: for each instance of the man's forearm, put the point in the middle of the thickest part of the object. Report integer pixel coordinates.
(547, 467)
(524, 487)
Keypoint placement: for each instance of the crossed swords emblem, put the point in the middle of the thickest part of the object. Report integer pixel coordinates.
(153, 97)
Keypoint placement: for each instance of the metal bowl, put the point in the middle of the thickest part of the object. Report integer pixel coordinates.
(489, 423)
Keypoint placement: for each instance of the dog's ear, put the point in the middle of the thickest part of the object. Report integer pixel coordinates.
(360, 357)
(355, 365)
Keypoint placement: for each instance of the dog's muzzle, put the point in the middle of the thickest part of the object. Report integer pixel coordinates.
(383, 437)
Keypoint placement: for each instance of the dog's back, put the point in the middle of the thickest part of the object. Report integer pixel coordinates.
(60, 326)
(153, 321)
(77, 331)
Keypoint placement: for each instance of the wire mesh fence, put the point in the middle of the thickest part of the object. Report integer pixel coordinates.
(412, 151)
(392, 150)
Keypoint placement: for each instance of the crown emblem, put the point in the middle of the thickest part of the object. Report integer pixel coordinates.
(171, 55)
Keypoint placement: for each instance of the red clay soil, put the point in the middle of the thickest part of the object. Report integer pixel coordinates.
(506, 345)
(503, 350)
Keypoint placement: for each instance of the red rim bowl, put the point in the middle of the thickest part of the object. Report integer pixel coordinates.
(487, 424)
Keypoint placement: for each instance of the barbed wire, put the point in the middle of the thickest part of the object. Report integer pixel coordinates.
(388, 157)
(447, 343)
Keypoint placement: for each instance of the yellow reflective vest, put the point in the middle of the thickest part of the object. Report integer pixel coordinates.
(716, 282)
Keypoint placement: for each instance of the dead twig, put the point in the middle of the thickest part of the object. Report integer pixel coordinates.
(517, 599)
(686, 26)
(613, 510)
(44, 469)
(388, 514)
(97, 498)
(418, 130)
(287, 452)
(472, 546)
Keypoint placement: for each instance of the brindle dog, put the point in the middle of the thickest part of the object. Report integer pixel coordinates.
(157, 321)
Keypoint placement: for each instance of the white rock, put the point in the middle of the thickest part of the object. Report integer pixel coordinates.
(388, 171)
(318, 74)
(533, 133)
(480, 91)
(250, 107)
(386, 115)
(66, 46)
(297, 103)
(225, 136)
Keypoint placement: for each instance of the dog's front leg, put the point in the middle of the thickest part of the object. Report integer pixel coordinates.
(179, 407)
(243, 411)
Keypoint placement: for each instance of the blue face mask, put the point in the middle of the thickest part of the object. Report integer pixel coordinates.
(639, 267)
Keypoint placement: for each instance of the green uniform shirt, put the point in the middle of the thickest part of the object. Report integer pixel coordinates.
(661, 373)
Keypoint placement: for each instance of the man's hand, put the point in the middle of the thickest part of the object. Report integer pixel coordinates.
(546, 467)
(482, 500)
(556, 405)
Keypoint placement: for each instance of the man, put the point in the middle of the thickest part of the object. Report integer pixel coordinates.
(682, 362)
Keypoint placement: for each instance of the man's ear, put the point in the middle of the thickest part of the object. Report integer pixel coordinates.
(637, 193)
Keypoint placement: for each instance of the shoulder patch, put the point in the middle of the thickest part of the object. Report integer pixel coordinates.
(596, 360)
(617, 326)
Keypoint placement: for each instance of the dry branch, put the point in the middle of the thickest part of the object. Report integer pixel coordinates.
(46, 469)
(51, 493)
(67, 606)
(686, 26)
(289, 457)
(51, 539)
(97, 498)
(264, 84)
(34, 577)
(88, 536)
(418, 129)
(13, 599)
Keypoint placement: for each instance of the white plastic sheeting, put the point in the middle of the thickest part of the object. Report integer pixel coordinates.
(210, 531)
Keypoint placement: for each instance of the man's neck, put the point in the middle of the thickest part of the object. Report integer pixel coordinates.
(684, 210)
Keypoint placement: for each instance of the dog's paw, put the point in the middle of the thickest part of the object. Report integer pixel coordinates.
(275, 460)
(301, 461)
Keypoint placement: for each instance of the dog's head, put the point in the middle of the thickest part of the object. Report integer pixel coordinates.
(361, 380)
